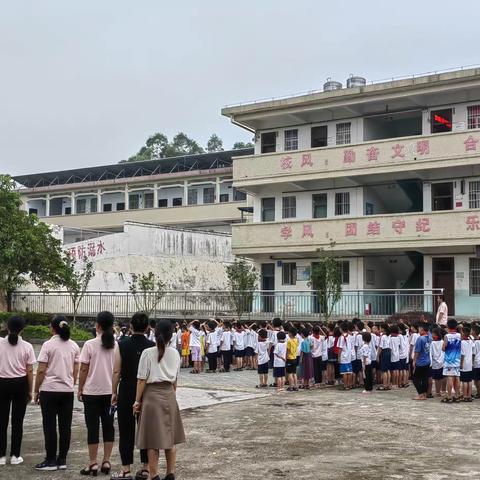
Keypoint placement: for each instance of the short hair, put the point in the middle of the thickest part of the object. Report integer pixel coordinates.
(466, 330)
(366, 337)
(196, 325)
(292, 331)
(441, 297)
(316, 329)
(305, 332)
(140, 322)
(475, 329)
(277, 322)
(452, 323)
(281, 336)
(424, 326)
(344, 327)
(438, 332)
(262, 333)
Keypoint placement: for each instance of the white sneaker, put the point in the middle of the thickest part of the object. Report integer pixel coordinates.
(3, 461)
(16, 460)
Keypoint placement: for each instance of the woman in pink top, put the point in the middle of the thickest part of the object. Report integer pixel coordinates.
(95, 391)
(17, 359)
(56, 376)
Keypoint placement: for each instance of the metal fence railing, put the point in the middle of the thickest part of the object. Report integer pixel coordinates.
(255, 305)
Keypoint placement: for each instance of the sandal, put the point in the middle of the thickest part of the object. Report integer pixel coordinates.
(142, 475)
(446, 400)
(90, 471)
(106, 467)
(121, 476)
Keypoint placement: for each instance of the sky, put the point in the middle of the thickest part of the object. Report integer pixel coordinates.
(84, 83)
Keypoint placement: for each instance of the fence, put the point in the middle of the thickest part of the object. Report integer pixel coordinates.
(256, 305)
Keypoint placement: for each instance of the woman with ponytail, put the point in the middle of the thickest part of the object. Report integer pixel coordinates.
(17, 359)
(160, 426)
(95, 391)
(56, 377)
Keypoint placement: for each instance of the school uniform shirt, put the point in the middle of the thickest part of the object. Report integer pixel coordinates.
(345, 345)
(330, 341)
(453, 350)
(374, 342)
(366, 354)
(353, 354)
(173, 340)
(195, 337)
(219, 332)
(394, 348)
(239, 340)
(437, 354)
(476, 352)
(263, 352)
(60, 357)
(254, 339)
(403, 348)
(249, 338)
(280, 350)
(15, 359)
(467, 354)
(358, 345)
(153, 371)
(226, 342)
(324, 348)
(384, 343)
(317, 345)
(212, 342)
(272, 336)
(422, 347)
(300, 340)
(413, 340)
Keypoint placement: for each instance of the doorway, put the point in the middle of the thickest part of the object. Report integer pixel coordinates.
(268, 285)
(443, 272)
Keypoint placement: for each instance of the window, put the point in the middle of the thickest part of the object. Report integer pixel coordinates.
(319, 205)
(342, 203)
(473, 116)
(68, 210)
(134, 202)
(239, 196)
(442, 196)
(269, 142)
(441, 120)
(81, 205)
(291, 139)
(224, 197)
(192, 196)
(268, 209)
(474, 276)
(209, 195)
(120, 206)
(319, 136)
(107, 207)
(289, 273)
(162, 202)
(177, 202)
(345, 271)
(369, 208)
(370, 277)
(33, 211)
(148, 200)
(343, 133)
(289, 207)
(93, 205)
(474, 194)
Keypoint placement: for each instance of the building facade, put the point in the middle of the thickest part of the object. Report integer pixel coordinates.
(386, 176)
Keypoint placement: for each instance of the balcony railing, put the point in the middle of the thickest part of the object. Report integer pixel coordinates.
(381, 156)
(257, 306)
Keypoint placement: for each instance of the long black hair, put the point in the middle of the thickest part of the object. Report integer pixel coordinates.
(105, 321)
(60, 326)
(15, 325)
(163, 335)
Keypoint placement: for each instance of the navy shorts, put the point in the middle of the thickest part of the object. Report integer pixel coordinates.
(385, 360)
(263, 369)
(332, 357)
(278, 372)
(437, 373)
(403, 364)
(466, 376)
(324, 365)
(476, 374)
(291, 366)
(356, 366)
(249, 352)
(374, 364)
(394, 366)
(239, 353)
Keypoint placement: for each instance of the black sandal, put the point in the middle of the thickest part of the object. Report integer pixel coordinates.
(142, 474)
(93, 472)
(106, 470)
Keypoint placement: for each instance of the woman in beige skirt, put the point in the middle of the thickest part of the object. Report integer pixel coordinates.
(160, 426)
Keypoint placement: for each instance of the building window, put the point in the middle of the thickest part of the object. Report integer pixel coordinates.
(81, 205)
(120, 206)
(345, 271)
(134, 202)
(68, 210)
(442, 196)
(33, 211)
(473, 116)
(209, 195)
(342, 203)
(192, 196)
(224, 198)
(370, 277)
(177, 202)
(239, 196)
(93, 205)
(289, 207)
(441, 120)
(289, 273)
(319, 205)
(291, 139)
(162, 202)
(343, 133)
(268, 209)
(319, 136)
(269, 142)
(474, 269)
(474, 194)
(148, 200)
(107, 207)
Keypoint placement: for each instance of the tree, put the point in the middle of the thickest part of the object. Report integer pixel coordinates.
(147, 290)
(326, 281)
(77, 278)
(215, 143)
(241, 145)
(242, 282)
(28, 250)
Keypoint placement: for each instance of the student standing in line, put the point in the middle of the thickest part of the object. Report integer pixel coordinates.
(124, 387)
(17, 359)
(452, 346)
(466, 367)
(95, 391)
(226, 346)
(57, 373)
(422, 362)
(366, 354)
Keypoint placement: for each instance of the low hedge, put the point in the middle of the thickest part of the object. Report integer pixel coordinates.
(32, 318)
(42, 332)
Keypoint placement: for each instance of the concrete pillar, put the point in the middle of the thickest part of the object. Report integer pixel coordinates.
(217, 190)
(185, 192)
(99, 200)
(73, 205)
(127, 206)
(155, 195)
(47, 205)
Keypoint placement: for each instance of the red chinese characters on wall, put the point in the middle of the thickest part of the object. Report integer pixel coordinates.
(473, 222)
(348, 156)
(372, 153)
(351, 229)
(307, 231)
(91, 249)
(470, 144)
(423, 147)
(399, 226)
(422, 225)
(398, 151)
(373, 228)
(286, 163)
(286, 232)
(306, 160)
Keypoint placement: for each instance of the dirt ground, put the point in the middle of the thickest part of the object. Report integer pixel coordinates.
(321, 434)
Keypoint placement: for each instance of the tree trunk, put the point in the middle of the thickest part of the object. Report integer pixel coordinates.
(9, 300)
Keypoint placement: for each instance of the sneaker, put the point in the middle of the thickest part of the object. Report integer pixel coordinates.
(16, 460)
(61, 464)
(3, 461)
(46, 466)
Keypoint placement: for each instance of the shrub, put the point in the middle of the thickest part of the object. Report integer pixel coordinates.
(42, 332)
(32, 318)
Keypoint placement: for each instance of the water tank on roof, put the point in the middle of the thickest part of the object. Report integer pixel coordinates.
(330, 85)
(355, 81)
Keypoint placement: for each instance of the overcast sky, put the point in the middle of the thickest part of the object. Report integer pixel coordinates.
(86, 82)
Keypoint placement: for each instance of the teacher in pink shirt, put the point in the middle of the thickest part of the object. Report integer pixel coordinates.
(57, 374)
(17, 359)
